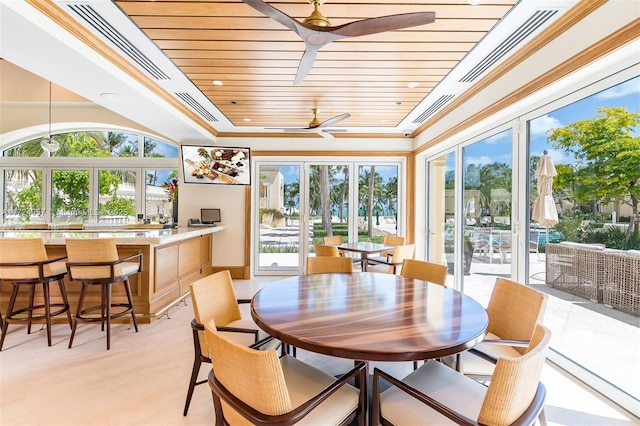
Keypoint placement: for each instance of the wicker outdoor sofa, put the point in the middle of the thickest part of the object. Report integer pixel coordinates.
(602, 275)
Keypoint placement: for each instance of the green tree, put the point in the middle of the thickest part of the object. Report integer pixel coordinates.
(607, 158)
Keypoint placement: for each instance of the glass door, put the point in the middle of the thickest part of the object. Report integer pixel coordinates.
(280, 226)
(328, 202)
(441, 230)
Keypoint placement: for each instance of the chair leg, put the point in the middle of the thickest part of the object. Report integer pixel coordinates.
(192, 382)
(83, 293)
(127, 289)
(32, 291)
(65, 301)
(47, 309)
(107, 305)
(12, 302)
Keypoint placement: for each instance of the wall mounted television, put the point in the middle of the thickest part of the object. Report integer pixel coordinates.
(222, 165)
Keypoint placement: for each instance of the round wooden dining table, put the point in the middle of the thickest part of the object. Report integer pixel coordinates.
(369, 316)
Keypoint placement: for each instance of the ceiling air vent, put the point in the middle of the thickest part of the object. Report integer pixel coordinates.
(433, 108)
(535, 21)
(103, 27)
(188, 99)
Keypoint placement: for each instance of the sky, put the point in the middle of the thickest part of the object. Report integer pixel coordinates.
(626, 94)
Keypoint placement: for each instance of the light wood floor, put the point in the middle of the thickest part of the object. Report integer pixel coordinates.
(143, 379)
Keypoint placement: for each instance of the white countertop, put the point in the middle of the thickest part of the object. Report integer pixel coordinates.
(123, 236)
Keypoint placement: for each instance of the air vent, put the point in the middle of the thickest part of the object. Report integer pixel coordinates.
(433, 108)
(188, 99)
(535, 21)
(103, 27)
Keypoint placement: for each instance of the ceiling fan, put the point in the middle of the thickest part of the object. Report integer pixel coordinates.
(315, 126)
(316, 31)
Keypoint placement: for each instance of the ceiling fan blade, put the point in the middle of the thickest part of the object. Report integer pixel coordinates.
(326, 135)
(306, 63)
(275, 14)
(332, 121)
(384, 23)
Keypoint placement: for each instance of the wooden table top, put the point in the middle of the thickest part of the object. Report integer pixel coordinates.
(369, 316)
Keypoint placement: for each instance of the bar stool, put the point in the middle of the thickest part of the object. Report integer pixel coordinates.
(95, 262)
(24, 262)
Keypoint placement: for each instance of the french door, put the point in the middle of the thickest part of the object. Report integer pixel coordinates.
(300, 202)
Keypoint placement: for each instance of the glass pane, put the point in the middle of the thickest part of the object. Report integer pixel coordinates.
(328, 203)
(377, 202)
(279, 203)
(593, 307)
(441, 211)
(69, 196)
(156, 148)
(487, 247)
(23, 196)
(117, 191)
(30, 148)
(161, 194)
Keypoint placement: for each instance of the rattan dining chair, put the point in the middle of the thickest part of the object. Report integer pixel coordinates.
(391, 240)
(323, 250)
(336, 240)
(436, 394)
(423, 270)
(391, 264)
(251, 387)
(214, 299)
(326, 264)
(514, 310)
(95, 262)
(24, 263)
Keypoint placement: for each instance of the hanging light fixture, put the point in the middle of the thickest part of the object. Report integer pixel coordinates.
(49, 144)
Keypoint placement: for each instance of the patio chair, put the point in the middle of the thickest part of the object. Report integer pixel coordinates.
(534, 242)
(326, 264)
(390, 265)
(481, 240)
(435, 394)
(514, 310)
(214, 300)
(503, 245)
(255, 387)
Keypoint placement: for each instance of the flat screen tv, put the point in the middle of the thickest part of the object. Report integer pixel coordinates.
(210, 216)
(222, 165)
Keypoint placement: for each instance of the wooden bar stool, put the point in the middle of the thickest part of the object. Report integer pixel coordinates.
(24, 262)
(95, 262)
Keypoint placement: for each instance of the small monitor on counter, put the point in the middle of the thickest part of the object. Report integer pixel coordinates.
(210, 216)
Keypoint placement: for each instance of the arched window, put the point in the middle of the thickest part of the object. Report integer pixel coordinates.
(100, 177)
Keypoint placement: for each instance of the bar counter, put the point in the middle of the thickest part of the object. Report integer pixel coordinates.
(172, 259)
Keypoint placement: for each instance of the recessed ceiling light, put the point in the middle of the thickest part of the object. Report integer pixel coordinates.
(246, 119)
(475, 2)
(398, 103)
(217, 83)
(113, 97)
(413, 84)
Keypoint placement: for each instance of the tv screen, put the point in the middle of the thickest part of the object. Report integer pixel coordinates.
(216, 165)
(210, 216)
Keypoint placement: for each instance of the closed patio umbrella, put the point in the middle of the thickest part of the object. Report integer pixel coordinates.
(544, 207)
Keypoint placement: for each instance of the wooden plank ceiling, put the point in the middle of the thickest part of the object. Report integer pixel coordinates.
(256, 58)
